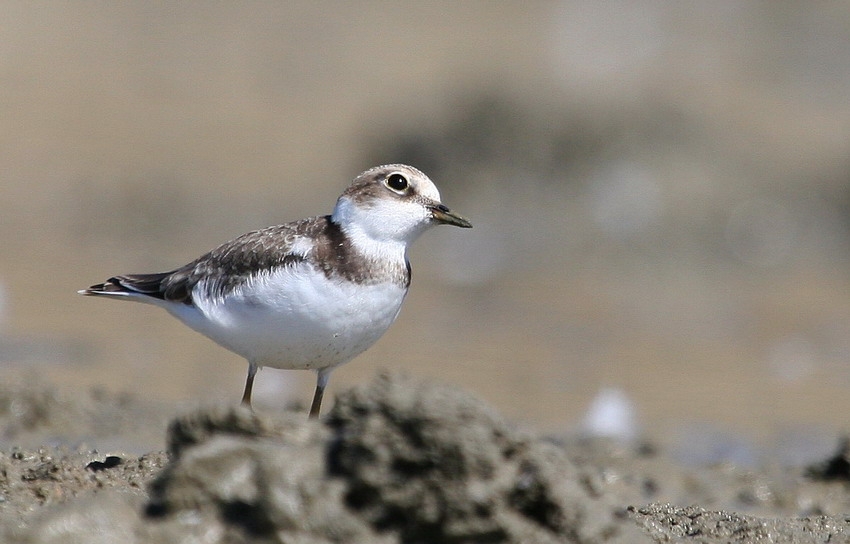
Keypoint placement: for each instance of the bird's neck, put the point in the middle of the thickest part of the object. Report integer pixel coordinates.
(368, 239)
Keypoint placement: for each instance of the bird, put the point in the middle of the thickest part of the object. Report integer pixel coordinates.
(309, 294)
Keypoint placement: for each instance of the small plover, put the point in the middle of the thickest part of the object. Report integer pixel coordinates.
(311, 294)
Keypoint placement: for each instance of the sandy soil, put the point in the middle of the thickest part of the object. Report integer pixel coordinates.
(396, 460)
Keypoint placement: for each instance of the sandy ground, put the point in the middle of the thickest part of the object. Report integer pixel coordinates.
(396, 459)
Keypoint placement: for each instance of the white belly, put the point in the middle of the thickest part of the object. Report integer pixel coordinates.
(295, 318)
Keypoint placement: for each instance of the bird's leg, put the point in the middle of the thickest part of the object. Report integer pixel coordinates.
(249, 385)
(321, 381)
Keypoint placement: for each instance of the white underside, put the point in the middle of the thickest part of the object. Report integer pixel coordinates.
(294, 318)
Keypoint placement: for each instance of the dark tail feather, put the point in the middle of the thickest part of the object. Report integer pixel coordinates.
(141, 284)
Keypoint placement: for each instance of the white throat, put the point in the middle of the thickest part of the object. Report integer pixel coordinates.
(383, 230)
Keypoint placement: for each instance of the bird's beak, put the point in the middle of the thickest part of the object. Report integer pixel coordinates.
(443, 215)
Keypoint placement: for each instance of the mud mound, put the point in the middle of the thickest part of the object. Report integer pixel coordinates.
(395, 461)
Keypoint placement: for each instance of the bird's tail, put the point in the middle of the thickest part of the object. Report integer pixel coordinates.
(138, 286)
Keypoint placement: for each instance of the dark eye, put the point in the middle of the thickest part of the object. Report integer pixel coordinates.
(397, 183)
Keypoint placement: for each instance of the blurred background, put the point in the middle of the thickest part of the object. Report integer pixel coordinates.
(660, 192)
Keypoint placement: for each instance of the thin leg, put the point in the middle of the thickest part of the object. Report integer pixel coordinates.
(249, 385)
(321, 381)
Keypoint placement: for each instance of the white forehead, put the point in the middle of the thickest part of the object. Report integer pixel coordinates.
(422, 184)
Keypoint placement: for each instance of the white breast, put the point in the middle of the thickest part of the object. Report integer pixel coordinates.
(295, 317)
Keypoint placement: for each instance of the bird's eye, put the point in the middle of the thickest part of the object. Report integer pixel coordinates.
(397, 183)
